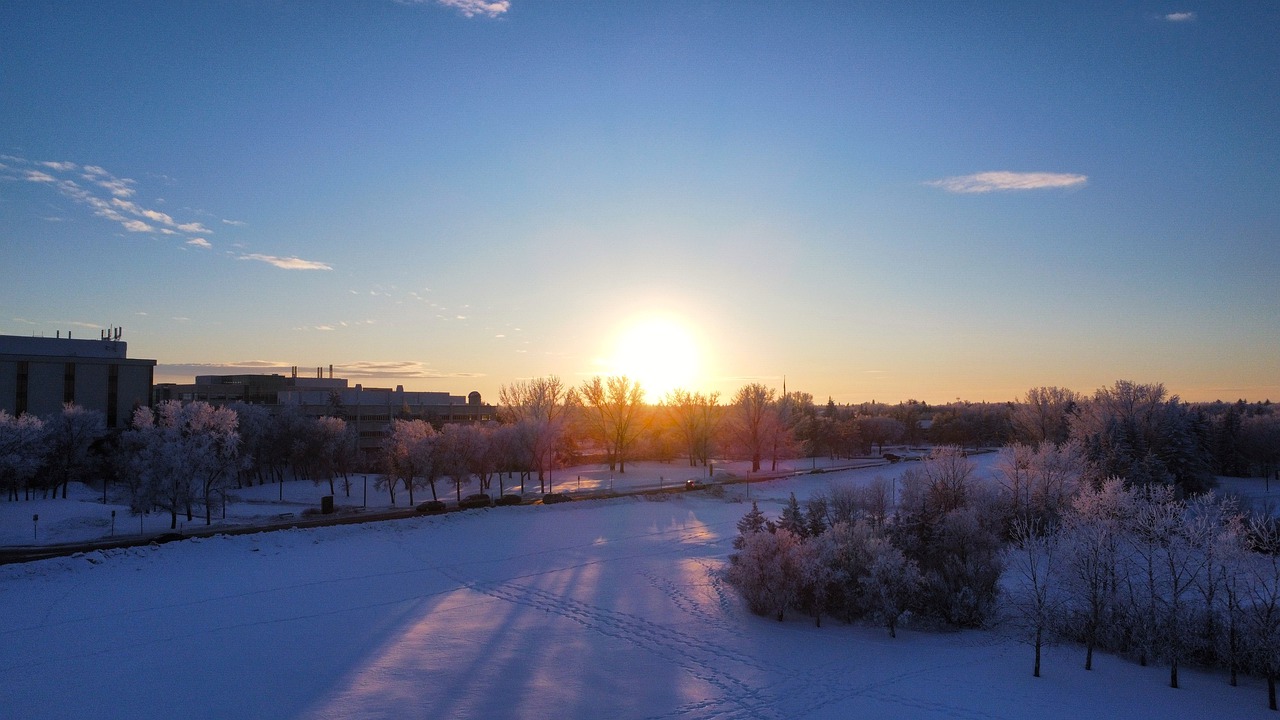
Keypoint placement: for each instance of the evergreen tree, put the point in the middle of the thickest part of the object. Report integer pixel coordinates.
(793, 519)
(751, 523)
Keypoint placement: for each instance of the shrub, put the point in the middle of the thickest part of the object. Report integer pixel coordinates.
(553, 498)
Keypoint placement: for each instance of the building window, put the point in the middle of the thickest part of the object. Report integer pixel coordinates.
(20, 401)
(113, 392)
(69, 383)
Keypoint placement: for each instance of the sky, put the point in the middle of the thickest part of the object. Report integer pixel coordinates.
(874, 201)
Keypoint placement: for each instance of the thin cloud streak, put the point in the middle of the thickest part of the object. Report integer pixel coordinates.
(1180, 16)
(287, 263)
(359, 370)
(1005, 180)
(117, 208)
(469, 8)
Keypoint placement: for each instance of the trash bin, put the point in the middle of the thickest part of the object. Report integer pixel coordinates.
(326, 505)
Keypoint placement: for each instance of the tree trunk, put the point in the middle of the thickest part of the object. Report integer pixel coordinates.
(1039, 636)
(1088, 656)
(1173, 674)
(1271, 689)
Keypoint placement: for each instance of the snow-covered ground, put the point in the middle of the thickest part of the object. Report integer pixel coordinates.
(596, 609)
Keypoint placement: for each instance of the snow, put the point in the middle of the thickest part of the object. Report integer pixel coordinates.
(608, 608)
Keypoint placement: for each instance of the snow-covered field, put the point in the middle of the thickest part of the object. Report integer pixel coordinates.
(597, 609)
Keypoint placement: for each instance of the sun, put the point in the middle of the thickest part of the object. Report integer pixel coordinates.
(659, 352)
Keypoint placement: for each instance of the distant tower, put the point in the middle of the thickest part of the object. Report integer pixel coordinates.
(473, 398)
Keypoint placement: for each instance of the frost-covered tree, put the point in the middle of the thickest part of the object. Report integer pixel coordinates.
(950, 522)
(186, 454)
(538, 406)
(1044, 415)
(845, 548)
(1094, 530)
(22, 452)
(891, 584)
(465, 451)
(768, 572)
(410, 451)
(1039, 482)
(1036, 599)
(71, 434)
(1142, 434)
(1262, 601)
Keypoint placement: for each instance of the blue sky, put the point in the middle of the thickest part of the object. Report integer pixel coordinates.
(877, 200)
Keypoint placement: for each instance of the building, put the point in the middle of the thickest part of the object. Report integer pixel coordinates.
(39, 374)
(369, 410)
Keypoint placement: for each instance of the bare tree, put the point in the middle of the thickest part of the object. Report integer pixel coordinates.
(1039, 481)
(538, 406)
(696, 418)
(878, 430)
(1034, 557)
(1043, 415)
(612, 408)
(750, 421)
(1263, 600)
(1094, 527)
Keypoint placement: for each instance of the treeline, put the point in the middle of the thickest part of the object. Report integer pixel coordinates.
(1128, 430)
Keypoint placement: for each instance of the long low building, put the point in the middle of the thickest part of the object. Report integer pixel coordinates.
(39, 374)
(370, 410)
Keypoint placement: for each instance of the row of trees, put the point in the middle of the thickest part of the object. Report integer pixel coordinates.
(1138, 571)
(1130, 430)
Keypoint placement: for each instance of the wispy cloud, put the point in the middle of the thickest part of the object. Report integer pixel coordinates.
(287, 263)
(359, 370)
(1002, 180)
(469, 8)
(200, 243)
(1186, 16)
(236, 223)
(86, 185)
(397, 369)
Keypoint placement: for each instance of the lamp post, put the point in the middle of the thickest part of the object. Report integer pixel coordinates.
(113, 523)
(35, 527)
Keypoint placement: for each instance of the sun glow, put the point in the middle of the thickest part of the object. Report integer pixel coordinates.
(661, 353)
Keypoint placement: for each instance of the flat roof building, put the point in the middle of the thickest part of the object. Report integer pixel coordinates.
(39, 374)
(369, 410)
